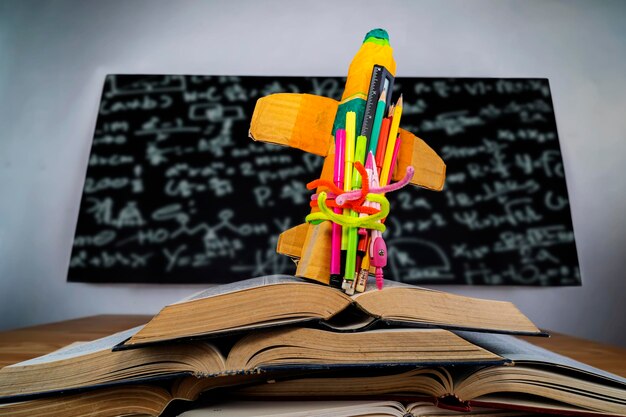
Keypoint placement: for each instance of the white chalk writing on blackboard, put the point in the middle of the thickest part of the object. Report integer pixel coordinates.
(177, 192)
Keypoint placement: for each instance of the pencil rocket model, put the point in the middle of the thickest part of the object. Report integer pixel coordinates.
(309, 122)
(375, 50)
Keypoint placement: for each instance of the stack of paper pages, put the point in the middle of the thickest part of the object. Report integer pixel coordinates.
(404, 351)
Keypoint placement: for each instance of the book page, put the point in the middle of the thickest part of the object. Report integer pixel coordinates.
(244, 285)
(79, 349)
(518, 350)
(299, 409)
(282, 279)
(387, 283)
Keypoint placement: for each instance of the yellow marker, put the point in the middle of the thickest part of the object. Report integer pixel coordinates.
(347, 179)
(391, 143)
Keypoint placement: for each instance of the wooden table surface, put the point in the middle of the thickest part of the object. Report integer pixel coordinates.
(29, 342)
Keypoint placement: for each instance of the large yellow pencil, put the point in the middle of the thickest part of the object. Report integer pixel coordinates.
(349, 155)
(385, 175)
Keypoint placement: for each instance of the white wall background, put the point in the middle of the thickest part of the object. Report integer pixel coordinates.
(54, 57)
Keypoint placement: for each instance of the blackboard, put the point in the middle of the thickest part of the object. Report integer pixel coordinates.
(176, 192)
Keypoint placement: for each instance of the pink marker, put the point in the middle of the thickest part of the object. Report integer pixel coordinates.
(338, 177)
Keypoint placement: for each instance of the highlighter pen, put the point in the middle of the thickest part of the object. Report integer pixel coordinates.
(359, 155)
(338, 174)
(347, 180)
(378, 119)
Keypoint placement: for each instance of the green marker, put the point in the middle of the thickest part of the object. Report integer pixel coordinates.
(359, 155)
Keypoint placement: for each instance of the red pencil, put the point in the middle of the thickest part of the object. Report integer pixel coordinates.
(382, 142)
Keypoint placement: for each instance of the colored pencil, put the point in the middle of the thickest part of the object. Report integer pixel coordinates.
(391, 142)
(378, 119)
(382, 142)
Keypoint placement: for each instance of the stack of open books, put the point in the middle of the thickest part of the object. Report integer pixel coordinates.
(400, 351)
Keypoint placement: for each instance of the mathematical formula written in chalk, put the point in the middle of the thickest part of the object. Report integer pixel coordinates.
(176, 192)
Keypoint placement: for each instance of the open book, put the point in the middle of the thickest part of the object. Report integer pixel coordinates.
(274, 350)
(149, 400)
(280, 299)
(335, 409)
(539, 381)
(122, 400)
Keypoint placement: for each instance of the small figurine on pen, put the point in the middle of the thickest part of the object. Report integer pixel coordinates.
(365, 149)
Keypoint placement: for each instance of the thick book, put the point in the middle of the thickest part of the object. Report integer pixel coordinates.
(147, 399)
(150, 400)
(280, 299)
(336, 409)
(281, 350)
(539, 381)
